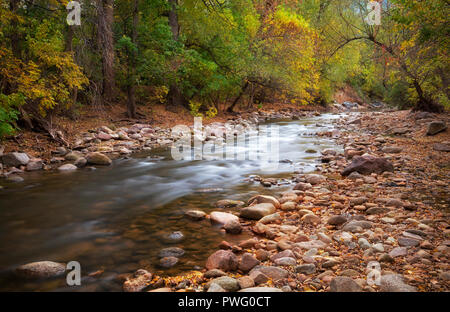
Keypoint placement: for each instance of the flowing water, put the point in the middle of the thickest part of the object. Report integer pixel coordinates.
(116, 218)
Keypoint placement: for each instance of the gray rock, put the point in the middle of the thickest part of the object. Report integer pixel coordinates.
(355, 175)
(171, 252)
(15, 159)
(392, 149)
(233, 227)
(168, 262)
(408, 242)
(398, 252)
(214, 287)
(344, 284)
(435, 127)
(41, 269)
(214, 273)
(395, 283)
(363, 243)
(257, 211)
(96, 158)
(377, 210)
(229, 203)
(441, 147)
(15, 178)
(285, 261)
(311, 244)
(34, 165)
(80, 162)
(283, 254)
(357, 223)
(226, 282)
(73, 156)
(337, 220)
(67, 167)
(173, 237)
(306, 268)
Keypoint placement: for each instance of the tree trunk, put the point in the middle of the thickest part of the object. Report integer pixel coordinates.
(175, 97)
(230, 109)
(69, 48)
(131, 104)
(173, 19)
(425, 103)
(106, 42)
(14, 36)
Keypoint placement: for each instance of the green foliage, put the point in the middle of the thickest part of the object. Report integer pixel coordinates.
(9, 113)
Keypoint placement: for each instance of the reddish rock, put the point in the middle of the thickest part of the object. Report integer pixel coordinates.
(367, 165)
(247, 262)
(262, 254)
(222, 259)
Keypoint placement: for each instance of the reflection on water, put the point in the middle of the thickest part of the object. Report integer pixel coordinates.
(113, 218)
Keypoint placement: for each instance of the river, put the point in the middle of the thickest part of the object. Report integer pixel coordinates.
(115, 218)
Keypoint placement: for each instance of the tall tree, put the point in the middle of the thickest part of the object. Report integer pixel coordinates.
(174, 96)
(131, 104)
(105, 11)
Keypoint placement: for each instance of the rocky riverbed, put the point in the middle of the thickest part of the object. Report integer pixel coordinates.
(371, 218)
(374, 218)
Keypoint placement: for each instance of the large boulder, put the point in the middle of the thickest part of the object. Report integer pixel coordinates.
(97, 158)
(367, 165)
(15, 159)
(223, 260)
(41, 269)
(257, 211)
(435, 127)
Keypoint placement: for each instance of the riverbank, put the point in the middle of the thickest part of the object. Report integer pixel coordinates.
(96, 140)
(383, 230)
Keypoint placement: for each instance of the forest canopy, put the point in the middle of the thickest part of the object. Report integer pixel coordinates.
(216, 55)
